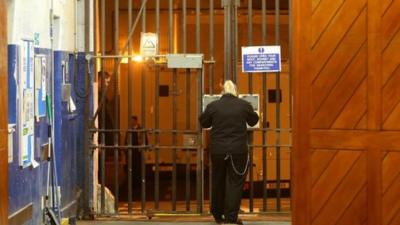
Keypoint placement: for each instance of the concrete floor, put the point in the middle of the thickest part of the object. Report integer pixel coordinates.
(254, 219)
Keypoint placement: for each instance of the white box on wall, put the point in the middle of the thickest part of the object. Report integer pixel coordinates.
(11, 131)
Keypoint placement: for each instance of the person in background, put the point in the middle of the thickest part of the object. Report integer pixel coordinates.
(136, 140)
(228, 118)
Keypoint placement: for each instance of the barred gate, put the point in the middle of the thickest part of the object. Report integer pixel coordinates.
(173, 154)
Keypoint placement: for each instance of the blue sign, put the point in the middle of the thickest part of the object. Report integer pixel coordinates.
(261, 59)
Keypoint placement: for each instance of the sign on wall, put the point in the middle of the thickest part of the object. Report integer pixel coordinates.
(261, 59)
(26, 104)
(148, 44)
(40, 86)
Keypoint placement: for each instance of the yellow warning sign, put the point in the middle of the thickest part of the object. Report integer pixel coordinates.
(148, 44)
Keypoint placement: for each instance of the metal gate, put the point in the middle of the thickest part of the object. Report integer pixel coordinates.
(173, 156)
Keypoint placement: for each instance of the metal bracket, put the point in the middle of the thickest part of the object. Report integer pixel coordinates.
(187, 61)
(227, 3)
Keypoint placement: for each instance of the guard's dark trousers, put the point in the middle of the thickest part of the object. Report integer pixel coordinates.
(227, 186)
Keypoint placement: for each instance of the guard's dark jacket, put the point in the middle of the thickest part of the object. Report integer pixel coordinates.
(228, 117)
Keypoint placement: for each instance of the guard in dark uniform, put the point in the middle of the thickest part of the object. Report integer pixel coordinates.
(227, 118)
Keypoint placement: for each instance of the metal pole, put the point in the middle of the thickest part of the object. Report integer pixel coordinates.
(143, 79)
(278, 113)
(174, 104)
(132, 29)
(199, 104)
(116, 102)
(234, 40)
(211, 66)
(129, 134)
(227, 37)
(157, 137)
(103, 111)
(188, 84)
(211, 91)
(87, 154)
(250, 84)
(264, 138)
(290, 84)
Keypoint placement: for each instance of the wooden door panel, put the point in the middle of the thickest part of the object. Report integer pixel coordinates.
(320, 160)
(391, 58)
(346, 68)
(356, 213)
(354, 111)
(390, 22)
(334, 33)
(390, 188)
(323, 14)
(391, 94)
(390, 169)
(331, 178)
(324, 80)
(345, 88)
(391, 202)
(348, 188)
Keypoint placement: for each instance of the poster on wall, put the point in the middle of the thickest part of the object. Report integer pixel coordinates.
(26, 104)
(40, 86)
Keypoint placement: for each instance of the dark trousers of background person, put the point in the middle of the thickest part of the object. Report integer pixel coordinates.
(227, 186)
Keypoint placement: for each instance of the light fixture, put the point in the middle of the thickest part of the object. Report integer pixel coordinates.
(124, 60)
(137, 58)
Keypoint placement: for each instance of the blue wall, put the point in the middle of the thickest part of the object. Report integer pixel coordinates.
(28, 185)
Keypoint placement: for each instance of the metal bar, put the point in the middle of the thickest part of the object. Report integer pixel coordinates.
(211, 91)
(250, 84)
(132, 29)
(86, 151)
(103, 111)
(143, 79)
(211, 50)
(116, 101)
(174, 102)
(121, 148)
(129, 138)
(177, 146)
(129, 175)
(199, 104)
(188, 84)
(234, 42)
(227, 38)
(278, 112)
(264, 138)
(95, 75)
(157, 137)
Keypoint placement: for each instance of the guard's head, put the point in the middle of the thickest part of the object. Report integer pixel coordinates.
(230, 88)
(134, 120)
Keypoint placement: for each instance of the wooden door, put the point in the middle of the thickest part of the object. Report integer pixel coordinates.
(346, 76)
(3, 115)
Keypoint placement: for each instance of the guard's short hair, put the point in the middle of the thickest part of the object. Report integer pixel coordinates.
(230, 88)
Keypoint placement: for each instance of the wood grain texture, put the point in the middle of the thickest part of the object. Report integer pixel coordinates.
(320, 160)
(3, 117)
(342, 197)
(354, 115)
(355, 139)
(324, 81)
(301, 181)
(331, 179)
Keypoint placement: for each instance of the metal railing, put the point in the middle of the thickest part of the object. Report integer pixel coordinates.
(259, 139)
